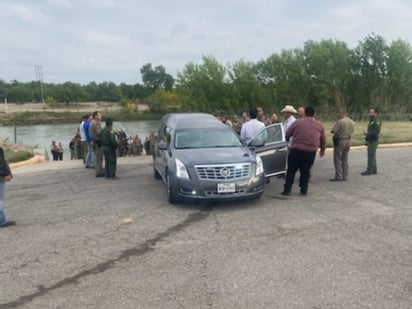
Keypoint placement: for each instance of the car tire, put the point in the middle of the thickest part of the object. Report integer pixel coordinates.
(156, 174)
(171, 192)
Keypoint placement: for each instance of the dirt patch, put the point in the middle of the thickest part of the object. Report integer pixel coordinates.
(86, 107)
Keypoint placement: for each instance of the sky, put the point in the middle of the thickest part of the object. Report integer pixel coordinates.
(110, 40)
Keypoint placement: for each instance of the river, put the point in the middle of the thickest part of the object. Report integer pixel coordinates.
(41, 136)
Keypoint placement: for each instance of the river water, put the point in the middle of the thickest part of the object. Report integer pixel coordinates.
(41, 136)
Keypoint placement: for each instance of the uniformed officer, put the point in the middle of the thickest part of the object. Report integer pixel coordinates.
(342, 132)
(372, 141)
(109, 144)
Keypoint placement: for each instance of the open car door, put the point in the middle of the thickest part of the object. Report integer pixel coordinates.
(270, 144)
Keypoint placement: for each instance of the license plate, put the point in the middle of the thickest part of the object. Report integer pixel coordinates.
(225, 188)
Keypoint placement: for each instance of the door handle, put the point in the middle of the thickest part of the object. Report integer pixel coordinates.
(282, 149)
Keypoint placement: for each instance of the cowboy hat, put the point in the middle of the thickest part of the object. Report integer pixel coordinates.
(289, 109)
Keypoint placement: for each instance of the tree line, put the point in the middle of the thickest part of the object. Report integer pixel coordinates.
(327, 75)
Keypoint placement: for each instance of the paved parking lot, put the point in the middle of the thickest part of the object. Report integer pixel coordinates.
(86, 242)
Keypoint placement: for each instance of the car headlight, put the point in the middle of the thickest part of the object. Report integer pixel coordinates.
(181, 171)
(259, 166)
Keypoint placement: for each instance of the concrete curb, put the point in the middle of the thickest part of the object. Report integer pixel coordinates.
(36, 159)
(396, 145)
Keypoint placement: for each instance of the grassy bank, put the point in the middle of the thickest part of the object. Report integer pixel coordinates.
(13, 157)
(47, 117)
(16, 153)
(391, 132)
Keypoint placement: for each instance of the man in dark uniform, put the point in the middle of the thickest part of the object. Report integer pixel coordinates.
(109, 145)
(372, 141)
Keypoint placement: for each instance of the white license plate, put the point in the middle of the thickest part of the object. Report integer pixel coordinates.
(226, 188)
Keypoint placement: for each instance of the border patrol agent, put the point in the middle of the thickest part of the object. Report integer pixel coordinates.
(372, 141)
(109, 144)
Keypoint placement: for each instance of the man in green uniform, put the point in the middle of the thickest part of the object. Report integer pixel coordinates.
(109, 145)
(372, 141)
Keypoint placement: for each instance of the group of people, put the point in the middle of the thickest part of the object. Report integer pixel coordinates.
(98, 143)
(306, 135)
(57, 151)
(127, 145)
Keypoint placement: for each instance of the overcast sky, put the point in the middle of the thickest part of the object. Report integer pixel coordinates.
(110, 40)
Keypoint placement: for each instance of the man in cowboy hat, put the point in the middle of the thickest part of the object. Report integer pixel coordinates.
(308, 136)
(288, 112)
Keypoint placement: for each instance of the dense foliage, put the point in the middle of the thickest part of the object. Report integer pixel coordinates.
(327, 75)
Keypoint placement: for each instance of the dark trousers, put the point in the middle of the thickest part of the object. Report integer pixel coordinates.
(110, 161)
(372, 167)
(55, 155)
(302, 161)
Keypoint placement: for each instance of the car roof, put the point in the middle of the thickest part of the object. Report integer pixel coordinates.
(193, 121)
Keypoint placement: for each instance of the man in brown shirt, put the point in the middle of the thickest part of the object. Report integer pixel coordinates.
(308, 136)
(342, 132)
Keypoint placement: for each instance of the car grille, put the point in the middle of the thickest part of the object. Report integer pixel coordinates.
(236, 193)
(223, 171)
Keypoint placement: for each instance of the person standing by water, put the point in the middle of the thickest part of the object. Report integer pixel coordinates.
(95, 133)
(90, 153)
(109, 145)
(72, 147)
(54, 150)
(60, 151)
(5, 176)
(83, 142)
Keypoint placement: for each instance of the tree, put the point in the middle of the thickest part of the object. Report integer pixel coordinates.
(247, 90)
(327, 66)
(68, 92)
(163, 101)
(155, 78)
(203, 87)
(399, 76)
(285, 78)
(370, 70)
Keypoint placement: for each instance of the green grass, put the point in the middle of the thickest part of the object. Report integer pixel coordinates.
(391, 132)
(17, 156)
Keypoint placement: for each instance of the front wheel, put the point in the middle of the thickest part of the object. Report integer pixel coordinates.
(156, 174)
(171, 192)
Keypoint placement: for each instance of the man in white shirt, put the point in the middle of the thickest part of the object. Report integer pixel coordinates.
(251, 127)
(83, 141)
(288, 112)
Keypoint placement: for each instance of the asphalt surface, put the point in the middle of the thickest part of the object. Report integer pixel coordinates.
(87, 242)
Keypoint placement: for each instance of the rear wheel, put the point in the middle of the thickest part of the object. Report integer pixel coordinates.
(171, 191)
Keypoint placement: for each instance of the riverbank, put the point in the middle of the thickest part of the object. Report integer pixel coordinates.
(39, 113)
(17, 152)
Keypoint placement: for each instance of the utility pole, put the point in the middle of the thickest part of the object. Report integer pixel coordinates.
(39, 77)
